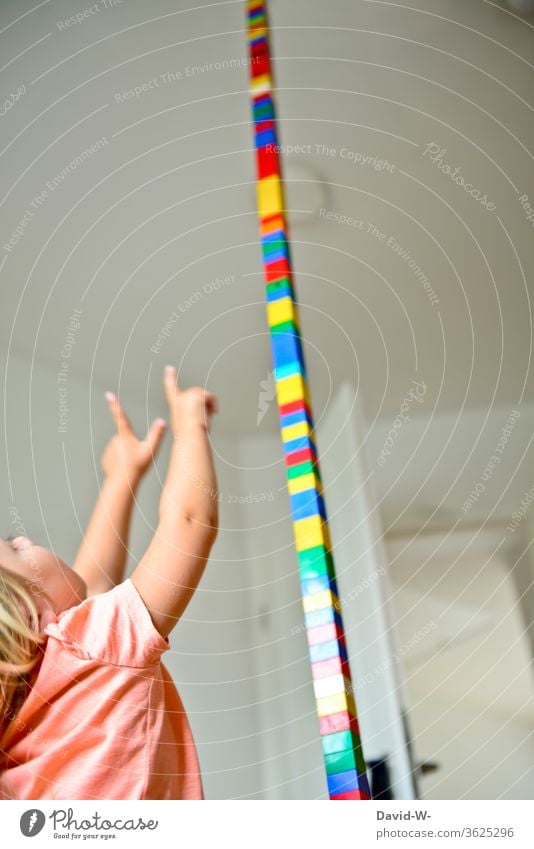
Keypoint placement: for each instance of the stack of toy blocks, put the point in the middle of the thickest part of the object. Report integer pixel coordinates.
(345, 767)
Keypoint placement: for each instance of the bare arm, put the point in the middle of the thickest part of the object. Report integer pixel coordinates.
(172, 566)
(101, 559)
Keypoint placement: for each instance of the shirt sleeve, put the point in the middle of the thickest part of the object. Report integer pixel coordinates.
(113, 627)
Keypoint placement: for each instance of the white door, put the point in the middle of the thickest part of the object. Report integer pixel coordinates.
(364, 586)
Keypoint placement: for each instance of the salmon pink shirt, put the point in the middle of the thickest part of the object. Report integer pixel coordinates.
(103, 719)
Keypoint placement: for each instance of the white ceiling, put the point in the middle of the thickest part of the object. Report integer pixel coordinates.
(167, 205)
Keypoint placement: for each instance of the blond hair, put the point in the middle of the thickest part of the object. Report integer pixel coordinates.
(20, 639)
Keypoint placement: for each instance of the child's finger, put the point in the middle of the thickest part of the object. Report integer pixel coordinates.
(156, 434)
(170, 383)
(118, 414)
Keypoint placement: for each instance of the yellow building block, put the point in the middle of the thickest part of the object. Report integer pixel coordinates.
(291, 389)
(310, 532)
(304, 482)
(336, 704)
(257, 32)
(270, 199)
(284, 309)
(319, 600)
(295, 430)
(261, 84)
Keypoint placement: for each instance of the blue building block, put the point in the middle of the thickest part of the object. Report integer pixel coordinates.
(342, 782)
(265, 137)
(307, 503)
(299, 444)
(324, 651)
(295, 418)
(283, 289)
(322, 617)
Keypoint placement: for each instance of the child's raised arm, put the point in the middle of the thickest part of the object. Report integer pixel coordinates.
(172, 566)
(101, 558)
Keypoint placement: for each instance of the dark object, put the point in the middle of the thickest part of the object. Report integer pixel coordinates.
(427, 767)
(380, 781)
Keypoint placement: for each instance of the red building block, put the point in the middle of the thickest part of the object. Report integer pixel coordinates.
(350, 794)
(267, 161)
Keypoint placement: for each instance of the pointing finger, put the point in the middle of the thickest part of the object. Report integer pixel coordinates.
(170, 383)
(155, 435)
(118, 414)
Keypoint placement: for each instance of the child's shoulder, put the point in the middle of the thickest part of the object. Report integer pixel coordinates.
(112, 627)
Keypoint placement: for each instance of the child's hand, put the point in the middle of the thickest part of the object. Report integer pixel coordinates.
(126, 456)
(188, 406)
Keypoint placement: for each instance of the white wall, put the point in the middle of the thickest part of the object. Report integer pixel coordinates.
(480, 757)
(468, 666)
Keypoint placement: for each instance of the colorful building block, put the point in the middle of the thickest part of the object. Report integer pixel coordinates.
(291, 389)
(330, 686)
(270, 195)
(304, 482)
(319, 600)
(318, 618)
(336, 704)
(327, 651)
(315, 561)
(310, 532)
(266, 158)
(338, 742)
(343, 782)
(272, 223)
(281, 311)
(324, 633)
(342, 721)
(352, 794)
(341, 762)
(293, 431)
(336, 710)
(265, 137)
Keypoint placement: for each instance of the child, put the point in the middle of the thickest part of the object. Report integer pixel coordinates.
(88, 711)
